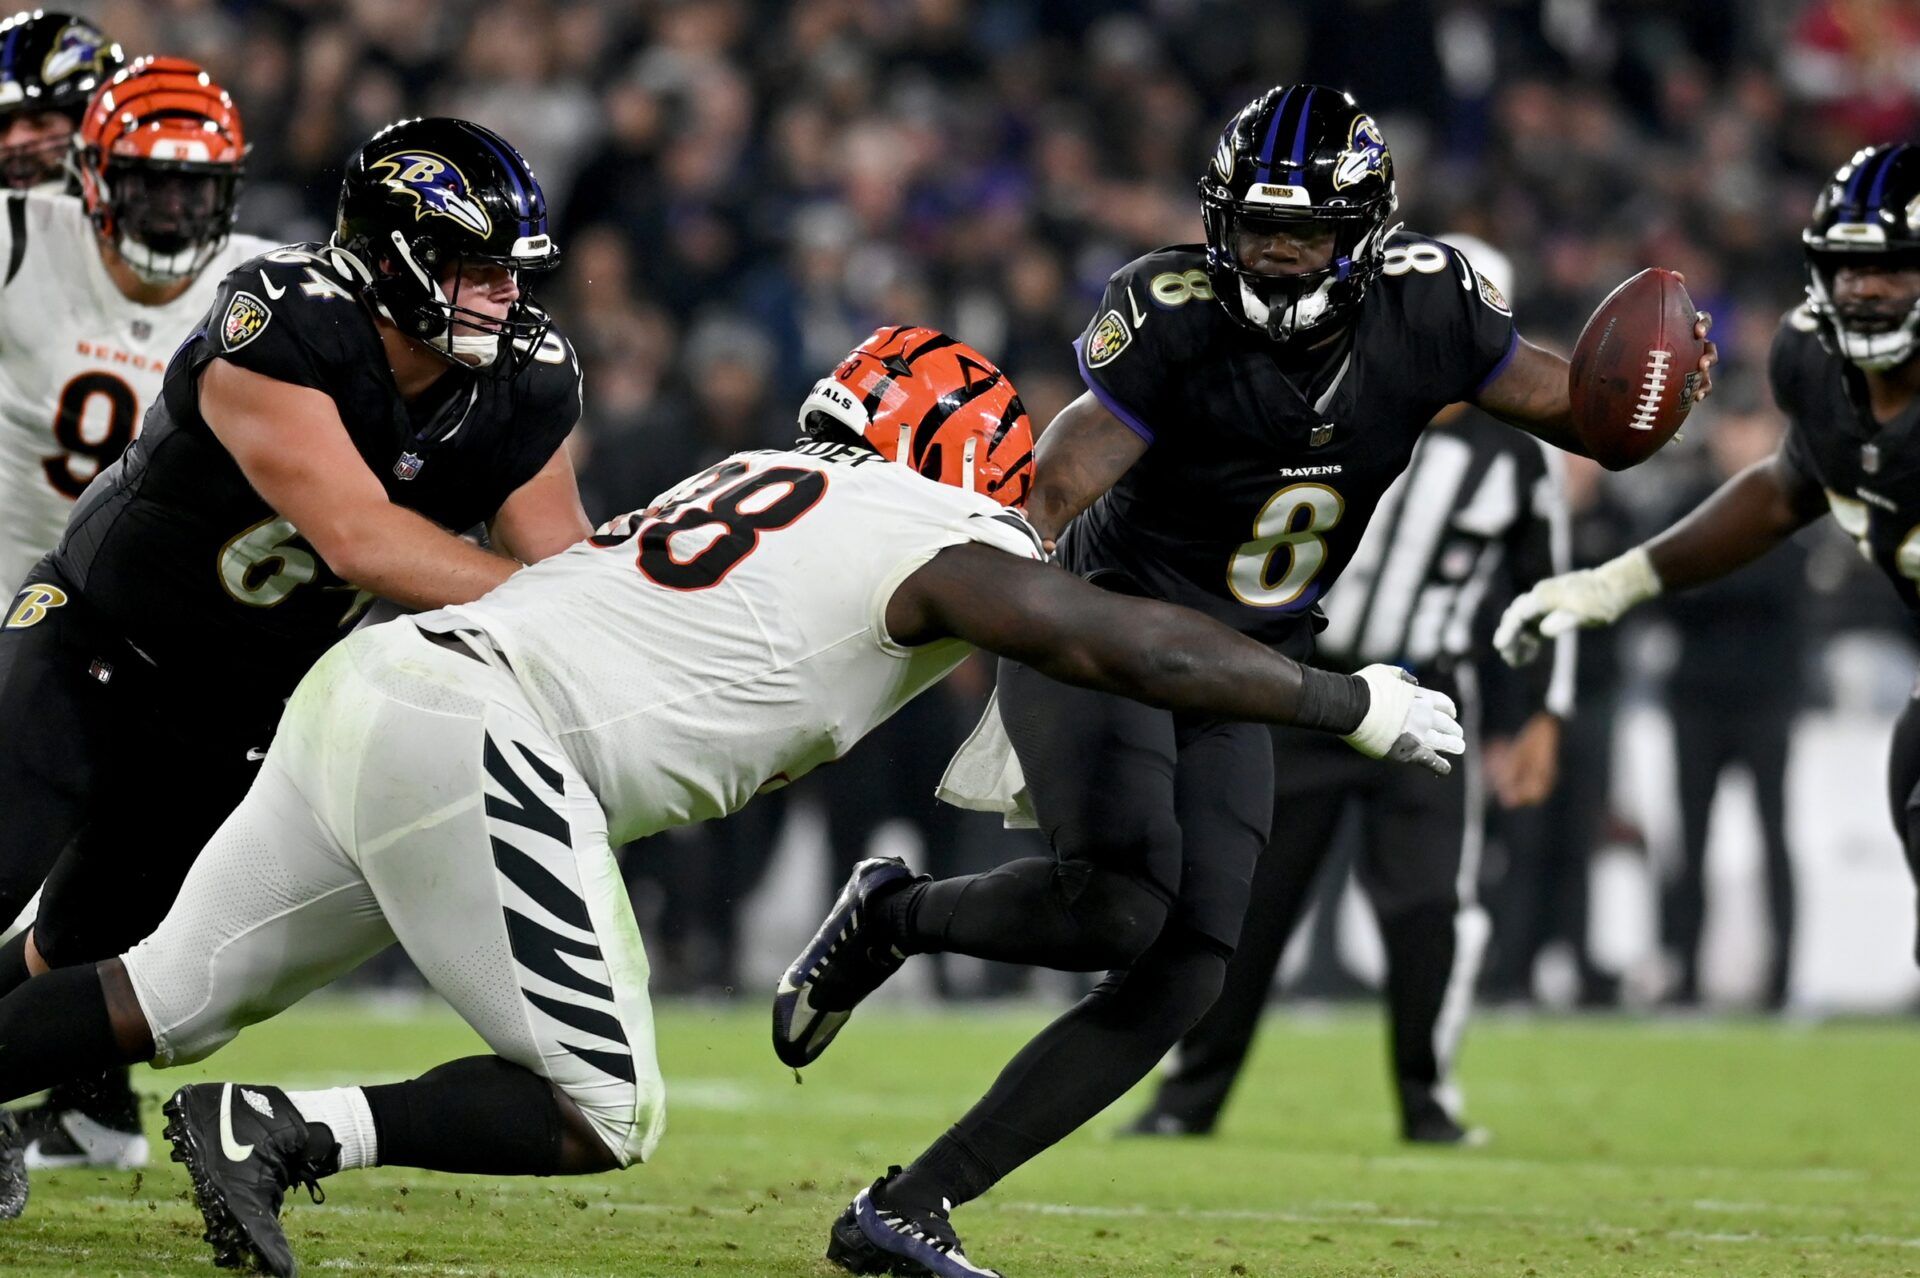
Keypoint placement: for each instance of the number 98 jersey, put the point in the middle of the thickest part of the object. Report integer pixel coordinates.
(79, 363)
(732, 636)
(1262, 473)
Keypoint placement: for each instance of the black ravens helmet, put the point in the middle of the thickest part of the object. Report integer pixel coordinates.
(424, 199)
(1868, 217)
(1300, 166)
(50, 64)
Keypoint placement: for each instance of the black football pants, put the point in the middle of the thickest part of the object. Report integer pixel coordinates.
(1708, 737)
(1155, 821)
(1418, 860)
(111, 780)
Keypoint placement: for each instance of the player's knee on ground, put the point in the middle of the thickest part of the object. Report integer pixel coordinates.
(628, 1115)
(1117, 916)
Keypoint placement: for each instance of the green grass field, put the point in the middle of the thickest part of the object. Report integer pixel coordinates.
(1621, 1147)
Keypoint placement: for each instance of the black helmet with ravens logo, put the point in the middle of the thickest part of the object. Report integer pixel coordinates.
(1296, 204)
(50, 64)
(1867, 218)
(422, 201)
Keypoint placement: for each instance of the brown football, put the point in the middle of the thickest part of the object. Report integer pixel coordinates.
(1635, 369)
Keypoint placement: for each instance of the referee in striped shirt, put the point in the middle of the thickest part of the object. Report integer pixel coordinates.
(1477, 518)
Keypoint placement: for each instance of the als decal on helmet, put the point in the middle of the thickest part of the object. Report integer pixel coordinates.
(246, 318)
(1110, 336)
(436, 186)
(78, 47)
(1365, 154)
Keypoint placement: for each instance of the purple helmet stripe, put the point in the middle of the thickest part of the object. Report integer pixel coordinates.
(1880, 179)
(1273, 132)
(1300, 139)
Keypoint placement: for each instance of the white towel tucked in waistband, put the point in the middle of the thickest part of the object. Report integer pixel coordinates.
(985, 775)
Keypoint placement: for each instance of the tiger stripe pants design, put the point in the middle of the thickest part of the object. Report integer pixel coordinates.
(412, 794)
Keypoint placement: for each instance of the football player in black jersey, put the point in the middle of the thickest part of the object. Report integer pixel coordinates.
(1845, 369)
(1249, 399)
(50, 64)
(341, 408)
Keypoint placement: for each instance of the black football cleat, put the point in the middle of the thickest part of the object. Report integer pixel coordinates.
(872, 1237)
(841, 965)
(244, 1147)
(94, 1122)
(13, 1167)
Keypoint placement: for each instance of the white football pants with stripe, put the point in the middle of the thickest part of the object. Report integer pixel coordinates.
(412, 794)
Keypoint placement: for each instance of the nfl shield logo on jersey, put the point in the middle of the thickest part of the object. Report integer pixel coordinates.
(1110, 337)
(408, 466)
(246, 318)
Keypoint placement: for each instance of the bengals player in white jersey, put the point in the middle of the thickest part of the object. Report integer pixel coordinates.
(96, 292)
(457, 781)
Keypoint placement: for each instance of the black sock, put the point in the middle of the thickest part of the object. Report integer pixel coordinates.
(107, 1099)
(13, 963)
(1076, 1067)
(1069, 915)
(481, 1115)
(53, 1028)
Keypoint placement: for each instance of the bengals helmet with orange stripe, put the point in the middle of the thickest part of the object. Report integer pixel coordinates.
(926, 400)
(160, 155)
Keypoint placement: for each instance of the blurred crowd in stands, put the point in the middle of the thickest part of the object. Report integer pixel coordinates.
(744, 188)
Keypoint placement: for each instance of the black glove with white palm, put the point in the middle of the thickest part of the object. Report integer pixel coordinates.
(1406, 723)
(1587, 598)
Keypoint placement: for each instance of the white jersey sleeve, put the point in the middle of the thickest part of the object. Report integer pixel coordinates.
(79, 364)
(732, 636)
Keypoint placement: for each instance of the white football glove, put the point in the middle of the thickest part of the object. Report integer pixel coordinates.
(1406, 723)
(1589, 597)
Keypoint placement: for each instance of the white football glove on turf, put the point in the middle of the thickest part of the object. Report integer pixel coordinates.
(1589, 597)
(1406, 723)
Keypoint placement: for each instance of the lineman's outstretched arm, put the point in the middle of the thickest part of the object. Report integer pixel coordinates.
(1160, 654)
(1746, 517)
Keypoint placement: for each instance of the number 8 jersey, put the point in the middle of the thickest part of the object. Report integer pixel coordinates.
(79, 363)
(1264, 464)
(732, 636)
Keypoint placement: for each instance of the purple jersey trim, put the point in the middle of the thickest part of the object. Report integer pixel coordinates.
(1513, 344)
(1105, 396)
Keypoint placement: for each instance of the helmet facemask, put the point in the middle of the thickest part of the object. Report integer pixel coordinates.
(1285, 304)
(408, 291)
(166, 218)
(39, 165)
(1875, 334)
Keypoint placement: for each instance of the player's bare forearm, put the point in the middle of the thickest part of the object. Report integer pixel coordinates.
(1746, 517)
(1083, 452)
(1532, 393)
(1163, 655)
(401, 555)
(543, 516)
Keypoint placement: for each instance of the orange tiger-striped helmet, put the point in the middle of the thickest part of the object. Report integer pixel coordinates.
(929, 401)
(160, 154)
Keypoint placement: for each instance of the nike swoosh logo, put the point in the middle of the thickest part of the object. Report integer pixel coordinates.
(232, 1148)
(256, 754)
(275, 293)
(1139, 316)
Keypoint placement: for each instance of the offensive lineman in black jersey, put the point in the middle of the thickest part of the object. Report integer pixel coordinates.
(1845, 369)
(1248, 401)
(341, 407)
